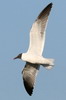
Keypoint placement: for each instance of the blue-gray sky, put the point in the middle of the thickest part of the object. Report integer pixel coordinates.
(16, 18)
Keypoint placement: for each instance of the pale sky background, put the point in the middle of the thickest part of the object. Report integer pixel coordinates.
(16, 18)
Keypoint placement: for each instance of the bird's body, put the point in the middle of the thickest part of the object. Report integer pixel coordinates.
(33, 57)
(36, 59)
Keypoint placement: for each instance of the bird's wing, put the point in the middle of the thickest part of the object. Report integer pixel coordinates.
(37, 33)
(29, 75)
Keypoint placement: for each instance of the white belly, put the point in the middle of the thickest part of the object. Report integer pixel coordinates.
(31, 58)
(35, 59)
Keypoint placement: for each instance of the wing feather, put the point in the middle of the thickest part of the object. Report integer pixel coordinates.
(29, 75)
(37, 33)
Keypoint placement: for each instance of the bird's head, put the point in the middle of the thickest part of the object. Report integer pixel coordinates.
(19, 56)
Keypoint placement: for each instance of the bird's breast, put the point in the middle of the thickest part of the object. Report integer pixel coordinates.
(31, 58)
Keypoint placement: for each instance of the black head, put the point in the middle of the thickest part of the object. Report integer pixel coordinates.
(19, 56)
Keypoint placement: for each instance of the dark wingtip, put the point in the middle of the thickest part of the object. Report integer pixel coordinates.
(28, 88)
(50, 5)
(46, 10)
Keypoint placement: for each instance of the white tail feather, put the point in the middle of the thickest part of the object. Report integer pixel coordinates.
(49, 65)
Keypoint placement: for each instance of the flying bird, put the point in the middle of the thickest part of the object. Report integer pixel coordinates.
(33, 57)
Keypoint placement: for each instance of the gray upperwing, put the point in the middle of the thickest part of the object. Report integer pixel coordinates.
(29, 75)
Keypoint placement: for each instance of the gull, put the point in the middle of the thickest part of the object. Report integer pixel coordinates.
(33, 57)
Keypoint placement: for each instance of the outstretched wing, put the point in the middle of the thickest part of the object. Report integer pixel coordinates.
(37, 33)
(29, 75)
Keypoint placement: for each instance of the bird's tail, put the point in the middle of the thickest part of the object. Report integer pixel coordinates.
(49, 64)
